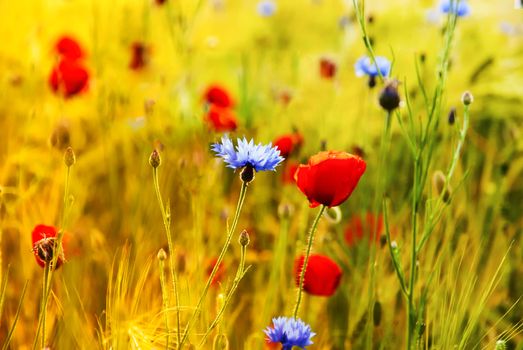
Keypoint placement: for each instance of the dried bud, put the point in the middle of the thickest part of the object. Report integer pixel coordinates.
(438, 181)
(155, 159)
(247, 174)
(389, 97)
(452, 116)
(467, 98)
(244, 238)
(162, 255)
(69, 157)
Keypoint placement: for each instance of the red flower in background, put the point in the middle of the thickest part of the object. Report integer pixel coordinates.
(220, 273)
(322, 276)
(218, 95)
(288, 143)
(327, 68)
(69, 48)
(221, 119)
(69, 78)
(356, 229)
(288, 172)
(160, 2)
(139, 56)
(329, 177)
(45, 245)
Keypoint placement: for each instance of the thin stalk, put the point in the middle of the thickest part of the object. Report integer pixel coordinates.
(306, 259)
(239, 275)
(167, 225)
(50, 267)
(230, 233)
(165, 300)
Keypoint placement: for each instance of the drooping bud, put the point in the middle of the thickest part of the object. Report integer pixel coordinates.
(69, 157)
(247, 174)
(162, 255)
(389, 97)
(244, 238)
(155, 159)
(467, 98)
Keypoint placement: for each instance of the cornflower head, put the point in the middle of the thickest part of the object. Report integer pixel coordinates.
(460, 7)
(365, 66)
(289, 332)
(247, 156)
(266, 8)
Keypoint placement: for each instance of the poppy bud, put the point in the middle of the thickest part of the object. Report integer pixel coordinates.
(155, 159)
(452, 116)
(467, 98)
(162, 255)
(501, 345)
(244, 239)
(327, 68)
(389, 97)
(69, 157)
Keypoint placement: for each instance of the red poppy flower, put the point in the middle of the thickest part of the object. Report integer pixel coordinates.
(160, 2)
(289, 170)
(220, 273)
(44, 244)
(356, 229)
(217, 95)
(139, 56)
(69, 78)
(69, 48)
(329, 177)
(221, 119)
(288, 143)
(327, 68)
(322, 276)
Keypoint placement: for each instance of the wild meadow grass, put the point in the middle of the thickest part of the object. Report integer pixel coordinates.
(378, 205)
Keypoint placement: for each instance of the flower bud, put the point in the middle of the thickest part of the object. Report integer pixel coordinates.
(244, 238)
(155, 159)
(285, 210)
(69, 157)
(220, 342)
(452, 116)
(389, 97)
(467, 98)
(501, 345)
(162, 255)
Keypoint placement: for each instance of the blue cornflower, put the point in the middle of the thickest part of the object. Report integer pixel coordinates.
(289, 332)
(259, 157)
(266, 8)
(364, 66)
(461, 8)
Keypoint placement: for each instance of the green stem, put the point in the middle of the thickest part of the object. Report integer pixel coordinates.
(167, 225)
(230, 233)
(239, 275)
(306, 260)
(165, 300)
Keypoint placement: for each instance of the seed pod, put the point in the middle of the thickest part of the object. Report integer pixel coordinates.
(69, 157)
(244, 238)
(467, 98)
(162, 255)
(155, 159)
(389, 97)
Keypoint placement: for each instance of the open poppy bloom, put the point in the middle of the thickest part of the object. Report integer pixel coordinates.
(357, 228)
(219, 96)
(329, 177)
(69, 48)
(221, 119)
(322, 276)
(45, 245)
(288, 143)
(69, 77)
